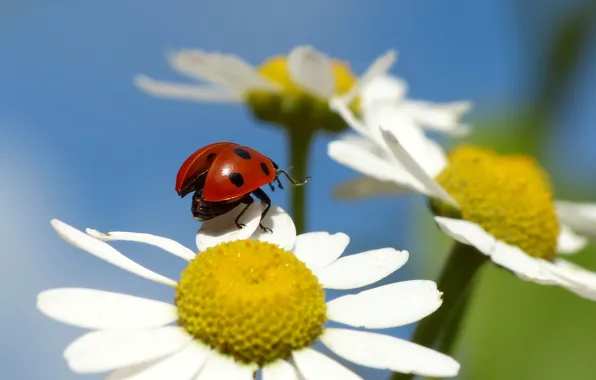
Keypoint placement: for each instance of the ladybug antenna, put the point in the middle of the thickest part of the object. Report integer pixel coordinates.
(292, 180)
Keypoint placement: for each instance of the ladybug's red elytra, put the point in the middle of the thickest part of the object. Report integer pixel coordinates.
(224, 175)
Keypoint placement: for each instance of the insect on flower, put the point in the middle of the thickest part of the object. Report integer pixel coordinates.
(224, 175)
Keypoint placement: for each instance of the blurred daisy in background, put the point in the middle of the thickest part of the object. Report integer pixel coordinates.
(501, 205)
(283, 90)
(249, 301)
(383, 102)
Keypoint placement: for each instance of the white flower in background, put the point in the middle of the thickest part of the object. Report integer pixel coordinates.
(383, 102)
(230, 77)
(248, 305)
(285, 89)
(501, 205)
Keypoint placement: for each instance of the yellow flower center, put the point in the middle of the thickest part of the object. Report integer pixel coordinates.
(509, 196)
(251, 300)
(296, 107)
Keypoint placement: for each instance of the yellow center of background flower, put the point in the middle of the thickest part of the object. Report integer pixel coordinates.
(509, 196)
(295, 107)
(251, 300)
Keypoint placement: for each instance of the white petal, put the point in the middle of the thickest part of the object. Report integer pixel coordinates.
(283, 229)
(97, 309)
(362, 155)
(312, 71)
(223, 228)
(313, 365)
(581, 217)
(383, 88)
(414, 168)
(200, 65)
(523, 265)
(318, 249)
(377, 69)
(181, 91)
(569, 242)
(431, 156)
(467, 233)
(440, 117)
(501, 253)
(363, 187)
(362, 269)
(392, 305)
(102, 351)
(343, 109)
(104, 251)
(241, 74)
(395, 118)
(166, 244)
(183, 365)
(220, 367)
(386, 352)
(280, 370)
(575, 278)
(224, 69)
(127, 372)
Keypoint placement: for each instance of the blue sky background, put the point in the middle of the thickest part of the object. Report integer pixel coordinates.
(80, 143)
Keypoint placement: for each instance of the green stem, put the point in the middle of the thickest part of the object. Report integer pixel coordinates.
(299, 140)
(450, 335)
(455, 282)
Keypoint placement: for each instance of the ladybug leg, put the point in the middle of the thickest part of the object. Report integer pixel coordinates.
(264, 198)
(247, 201)
(279, 183)
(292, 180)
(271, 186)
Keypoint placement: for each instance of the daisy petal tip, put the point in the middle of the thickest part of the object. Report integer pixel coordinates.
(40, 300)
(96, 234)
(404, 253)
(141, 81)
(64, 230)
(390, 56)
(463, 106)
(58, 224)
(341, 238)
(570, 242)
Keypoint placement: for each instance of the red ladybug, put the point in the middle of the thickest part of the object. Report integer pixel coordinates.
(223, 175)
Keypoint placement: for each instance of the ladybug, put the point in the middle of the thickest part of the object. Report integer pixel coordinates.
(223, 175)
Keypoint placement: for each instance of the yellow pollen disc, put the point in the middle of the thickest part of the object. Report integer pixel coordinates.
(509, 196)
(251, 300)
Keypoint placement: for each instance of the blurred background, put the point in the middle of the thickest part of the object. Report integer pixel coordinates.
(80, 143)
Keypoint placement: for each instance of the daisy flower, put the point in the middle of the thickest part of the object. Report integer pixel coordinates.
(383, 102)
(292, 89)
(501, 205)
(248, 301)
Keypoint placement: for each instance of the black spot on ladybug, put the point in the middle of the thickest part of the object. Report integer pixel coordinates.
(242, 153)
(275, 165)
(211, 156)
(264, 168)
(236, 179)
